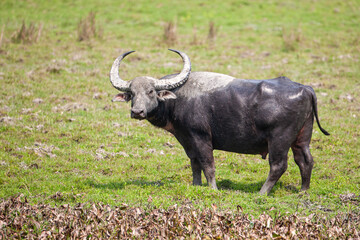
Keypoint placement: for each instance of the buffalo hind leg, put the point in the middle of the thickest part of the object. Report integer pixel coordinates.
(302, 155)
(278, 165)
(305, 162)
(278, 145)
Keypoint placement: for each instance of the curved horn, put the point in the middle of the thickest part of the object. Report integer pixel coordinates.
(115, 80)
(178, 80)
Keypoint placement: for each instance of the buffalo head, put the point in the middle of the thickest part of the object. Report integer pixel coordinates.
(146, 92)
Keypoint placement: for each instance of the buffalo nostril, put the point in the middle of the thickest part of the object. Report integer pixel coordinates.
(137, 113)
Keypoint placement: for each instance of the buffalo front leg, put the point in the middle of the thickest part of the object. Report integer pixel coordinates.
(201, 154)
(208, 166)
(196, 169)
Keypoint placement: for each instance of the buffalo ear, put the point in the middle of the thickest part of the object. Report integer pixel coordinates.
(165, 94)
(122, 97)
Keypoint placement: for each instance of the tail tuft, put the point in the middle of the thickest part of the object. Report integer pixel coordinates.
(324, 131)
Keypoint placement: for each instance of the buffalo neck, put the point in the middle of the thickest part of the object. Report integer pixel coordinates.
(161, 116)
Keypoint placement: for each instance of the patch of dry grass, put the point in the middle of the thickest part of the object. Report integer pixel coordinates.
(291, 38)
(19, 219)
(87, 28)
(195, 40)
(170, 35)
(2, 35)
(212, 32)
(26, 33)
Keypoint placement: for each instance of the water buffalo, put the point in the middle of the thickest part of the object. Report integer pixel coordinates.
(207, 111)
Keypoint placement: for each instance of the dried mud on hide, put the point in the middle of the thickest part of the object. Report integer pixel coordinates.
(19, 219)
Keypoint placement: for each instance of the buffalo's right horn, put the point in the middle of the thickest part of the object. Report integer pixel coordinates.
(178, 80)
(115, 80)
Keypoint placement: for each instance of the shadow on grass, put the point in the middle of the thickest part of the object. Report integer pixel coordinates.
(227, 184)
(121, 185)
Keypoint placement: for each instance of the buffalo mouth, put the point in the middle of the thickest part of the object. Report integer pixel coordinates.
(138, 116)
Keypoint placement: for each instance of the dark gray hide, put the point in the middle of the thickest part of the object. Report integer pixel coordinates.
(215, 111)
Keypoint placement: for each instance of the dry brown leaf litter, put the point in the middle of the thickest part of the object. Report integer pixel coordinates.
(19, 219)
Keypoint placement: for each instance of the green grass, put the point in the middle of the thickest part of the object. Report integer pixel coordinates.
(103, 155)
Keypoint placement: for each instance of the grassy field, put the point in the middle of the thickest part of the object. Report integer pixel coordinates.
(63, 141)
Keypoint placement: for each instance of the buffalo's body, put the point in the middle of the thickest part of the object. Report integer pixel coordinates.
(215, 111)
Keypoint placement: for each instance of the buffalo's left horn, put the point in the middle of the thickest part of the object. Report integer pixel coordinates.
(115, 80)
(178, 80)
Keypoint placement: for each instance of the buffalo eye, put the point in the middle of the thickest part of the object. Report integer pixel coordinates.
(151, 92)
